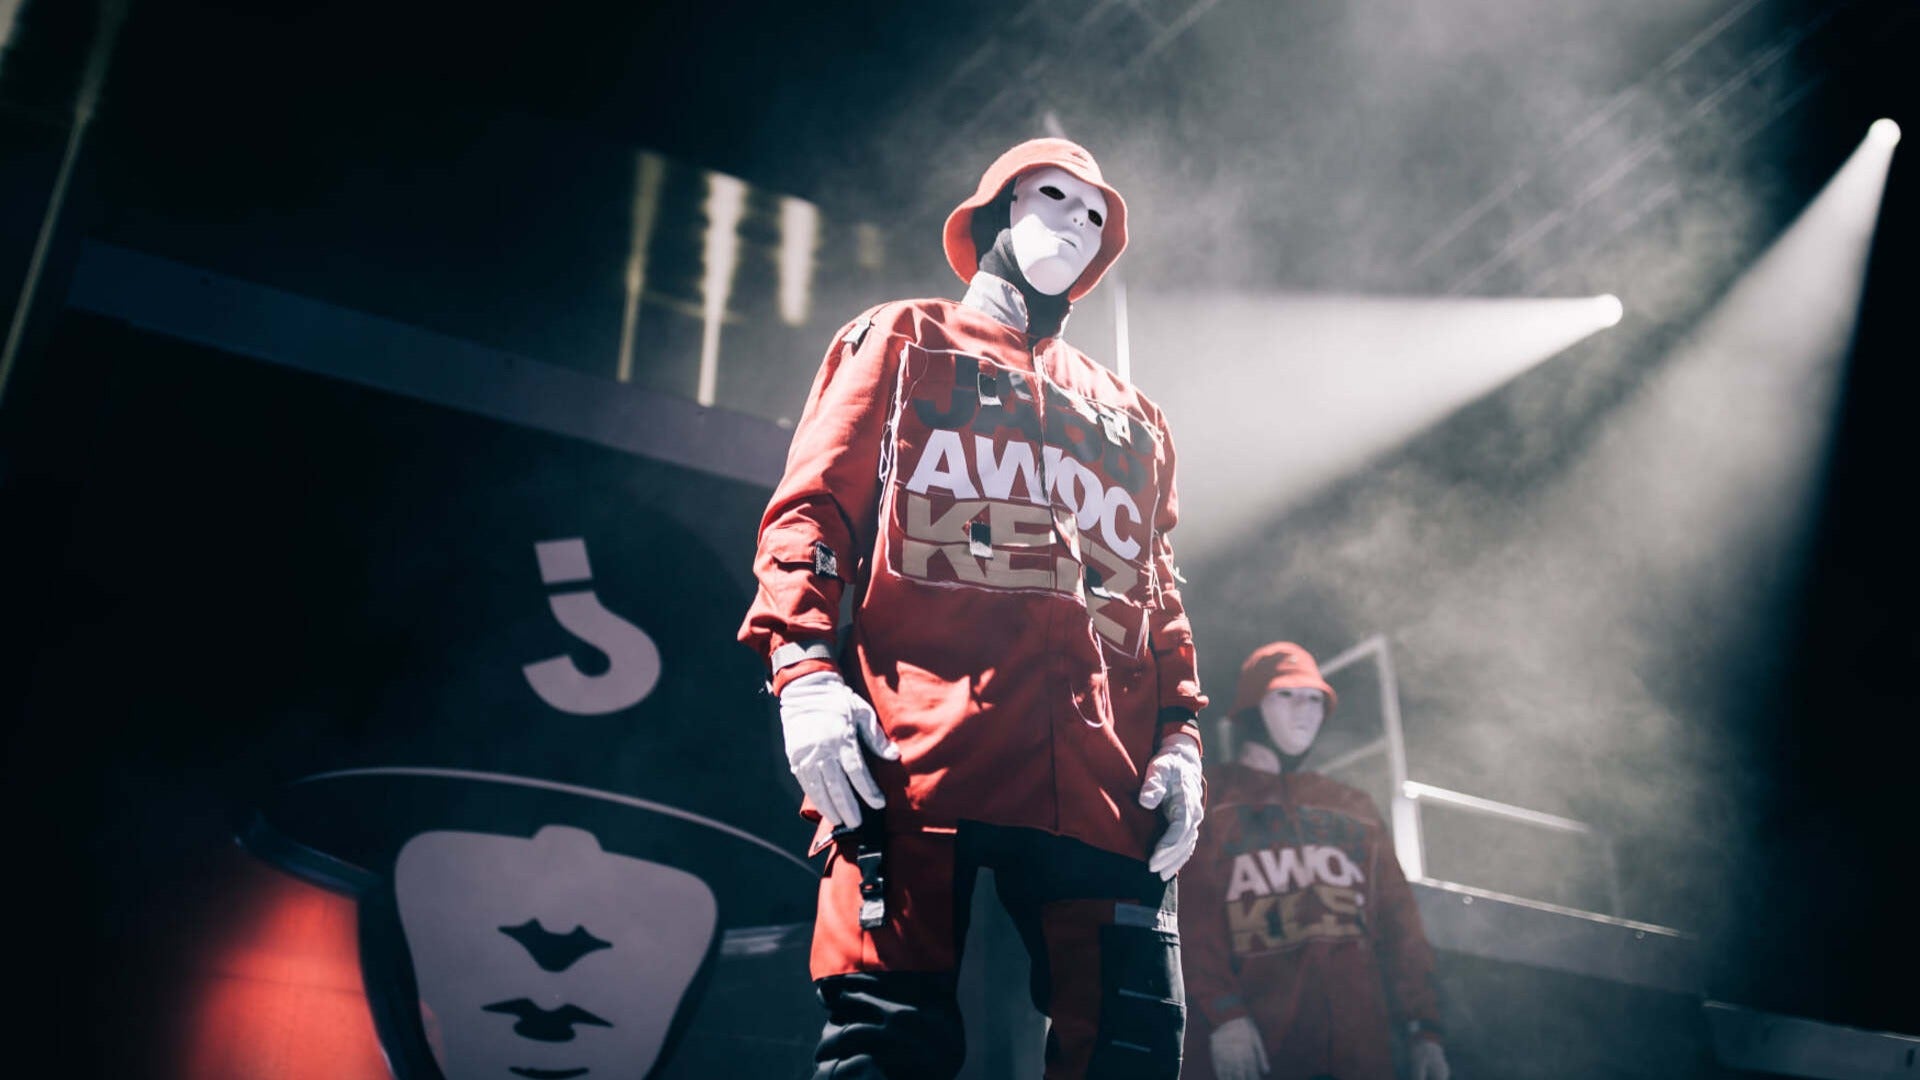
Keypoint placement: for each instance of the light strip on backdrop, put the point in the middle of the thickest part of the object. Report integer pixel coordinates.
(649, 173)
(9, 11)
(799, 237)
(726, 204)
(113, 14)
(1273, 398)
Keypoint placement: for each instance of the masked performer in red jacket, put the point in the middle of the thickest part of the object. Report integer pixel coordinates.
(1303, 945)
(1016, 687)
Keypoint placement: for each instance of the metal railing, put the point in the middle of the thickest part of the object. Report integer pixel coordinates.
(1407, 795)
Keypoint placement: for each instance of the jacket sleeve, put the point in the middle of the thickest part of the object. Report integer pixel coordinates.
(1406, 960)
(1213, 987)
(822, 516)
(1170, 635)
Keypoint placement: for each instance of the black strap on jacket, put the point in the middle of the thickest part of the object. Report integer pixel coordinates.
(867, 842)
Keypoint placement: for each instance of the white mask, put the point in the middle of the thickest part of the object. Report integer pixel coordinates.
(1293, 716)
(503, 930)
(1056, 219)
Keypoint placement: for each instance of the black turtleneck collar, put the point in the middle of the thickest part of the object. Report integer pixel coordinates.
(1046, 315)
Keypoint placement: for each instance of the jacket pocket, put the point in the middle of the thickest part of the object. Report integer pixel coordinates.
(796, 549)
(1143, 1011)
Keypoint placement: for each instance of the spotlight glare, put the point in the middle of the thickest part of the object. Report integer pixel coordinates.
(1610, 308)
(1885, 132)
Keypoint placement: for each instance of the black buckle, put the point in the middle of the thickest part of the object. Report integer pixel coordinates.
(873, 876)
(870, 855)
(873, 887)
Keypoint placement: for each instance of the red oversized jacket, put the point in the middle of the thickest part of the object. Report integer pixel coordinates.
(1001, 513)
(1294, 911)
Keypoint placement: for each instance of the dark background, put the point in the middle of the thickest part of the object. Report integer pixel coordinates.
(469, 171)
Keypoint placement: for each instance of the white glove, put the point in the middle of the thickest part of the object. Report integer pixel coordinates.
(1428, 1061)
(825, 722)
(1237, 1053)
(1173, 778)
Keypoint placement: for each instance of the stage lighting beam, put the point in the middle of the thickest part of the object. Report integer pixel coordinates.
(1680, 523)
(1276, 397)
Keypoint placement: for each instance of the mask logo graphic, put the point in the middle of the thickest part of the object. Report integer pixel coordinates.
(497, 985)
(536, 896)
(554, 952)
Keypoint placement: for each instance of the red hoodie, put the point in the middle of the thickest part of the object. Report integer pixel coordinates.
(1294, 911)
(1001, 512)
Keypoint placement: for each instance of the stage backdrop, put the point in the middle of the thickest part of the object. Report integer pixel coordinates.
(359, 733)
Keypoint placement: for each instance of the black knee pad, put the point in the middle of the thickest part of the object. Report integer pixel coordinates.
(1143, 1012)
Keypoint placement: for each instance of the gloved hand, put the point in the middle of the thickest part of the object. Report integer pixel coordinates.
(1173, 779)
(825, 722)
(1237, 1053)
(1428, 1060)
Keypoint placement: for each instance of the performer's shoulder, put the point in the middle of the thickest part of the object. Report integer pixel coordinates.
(905, 310)
(899, 318)
(1115, 388)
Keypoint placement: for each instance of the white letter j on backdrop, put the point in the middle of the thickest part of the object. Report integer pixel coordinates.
(634, 667)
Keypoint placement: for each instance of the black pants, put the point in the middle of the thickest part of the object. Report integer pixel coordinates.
(1099, 929)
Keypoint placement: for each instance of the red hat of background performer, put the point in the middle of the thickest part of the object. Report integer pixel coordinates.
(1274, 666)
(1030, 155)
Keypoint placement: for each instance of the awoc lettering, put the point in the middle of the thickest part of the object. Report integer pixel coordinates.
(997, 490)
(1282, 896)
(966, 470)
(1287, 870)
(1092, 434)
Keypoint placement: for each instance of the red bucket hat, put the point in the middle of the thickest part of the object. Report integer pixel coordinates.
(1029, 155)
(1276, 665)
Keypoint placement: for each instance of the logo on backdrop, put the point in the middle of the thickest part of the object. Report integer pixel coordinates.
(549, 954)
(515, 926)
(558, 901)
(633, 660)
